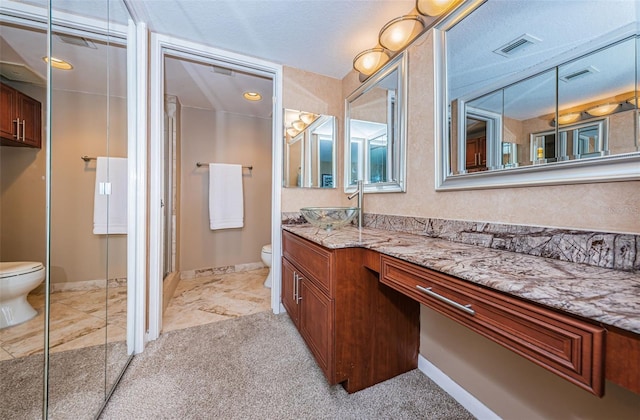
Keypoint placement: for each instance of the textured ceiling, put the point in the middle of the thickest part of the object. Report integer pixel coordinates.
(321, 36)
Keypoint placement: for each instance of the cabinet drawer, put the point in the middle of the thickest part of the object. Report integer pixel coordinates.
(566, 346)
(313, 260)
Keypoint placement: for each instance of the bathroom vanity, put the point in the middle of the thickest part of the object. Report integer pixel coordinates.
(354, 297)
(360, 332)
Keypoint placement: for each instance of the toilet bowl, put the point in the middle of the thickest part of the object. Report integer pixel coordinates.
(266, 259)
(17, 279)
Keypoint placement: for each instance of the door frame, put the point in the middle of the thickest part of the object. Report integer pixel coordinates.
(160, 45)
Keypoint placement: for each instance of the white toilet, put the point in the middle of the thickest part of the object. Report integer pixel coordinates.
(266, 259)
(17, 279)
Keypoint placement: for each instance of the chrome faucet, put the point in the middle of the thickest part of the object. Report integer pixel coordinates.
(359, 192)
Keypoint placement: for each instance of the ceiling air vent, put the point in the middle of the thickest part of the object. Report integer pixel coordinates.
(578, 74)
(222, 70)
(517, 45)
(77, 41)
(20, 73)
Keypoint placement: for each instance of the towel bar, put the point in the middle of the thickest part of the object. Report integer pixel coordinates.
(199, 164)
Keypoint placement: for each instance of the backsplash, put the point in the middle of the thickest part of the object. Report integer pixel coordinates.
(608, 250)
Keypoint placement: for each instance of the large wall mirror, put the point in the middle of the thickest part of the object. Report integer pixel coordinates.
(547, 97)
(309, 149)
(375, 132)
(67, 357)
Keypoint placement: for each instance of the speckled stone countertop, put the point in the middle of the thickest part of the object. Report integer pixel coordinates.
(611, 297)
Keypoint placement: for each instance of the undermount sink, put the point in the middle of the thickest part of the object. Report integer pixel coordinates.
(329, 218)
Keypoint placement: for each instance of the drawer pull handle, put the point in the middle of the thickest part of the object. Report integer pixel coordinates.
(465, 308)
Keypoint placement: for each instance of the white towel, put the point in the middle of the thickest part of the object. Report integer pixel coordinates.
(110, 198)
(226, 206)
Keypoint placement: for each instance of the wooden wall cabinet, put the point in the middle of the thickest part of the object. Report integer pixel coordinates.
(20, 119)
(571, 348)
(360, 331)
(476, 157)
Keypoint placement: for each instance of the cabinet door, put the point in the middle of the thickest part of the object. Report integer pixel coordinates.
(289, 288)
(8, 112)
(30, 118)
(476, 157)
(316, 324)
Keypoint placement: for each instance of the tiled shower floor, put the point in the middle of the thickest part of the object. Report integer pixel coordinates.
(78, 318)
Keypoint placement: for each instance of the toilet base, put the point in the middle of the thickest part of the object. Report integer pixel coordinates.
(267, 282)
(15, 311)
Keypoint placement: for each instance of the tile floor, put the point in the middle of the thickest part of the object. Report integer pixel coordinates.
(215, 298)
(79, 318)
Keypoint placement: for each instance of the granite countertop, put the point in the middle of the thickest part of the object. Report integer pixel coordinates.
(609, 296)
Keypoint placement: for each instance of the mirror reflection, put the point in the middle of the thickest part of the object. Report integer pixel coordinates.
(375, 131)
(86, 292)
(537, 93)
(309, 150)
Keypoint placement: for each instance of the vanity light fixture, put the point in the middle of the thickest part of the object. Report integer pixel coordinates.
(569, 118)
(252, 96)
(292, 132)
(298, 125)
(58, 63)
(399, 32)
(307, 117)
(368, 61)
(601, 110)
(433, 7)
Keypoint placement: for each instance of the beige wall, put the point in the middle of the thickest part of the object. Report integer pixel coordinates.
(78, 128)
(505, 382)
(207, 136)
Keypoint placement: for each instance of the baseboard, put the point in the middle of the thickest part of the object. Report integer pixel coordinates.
(468, 401)
(214, 271)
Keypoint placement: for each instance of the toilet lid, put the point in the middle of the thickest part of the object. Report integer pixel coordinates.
(10, 269)
(267, 249)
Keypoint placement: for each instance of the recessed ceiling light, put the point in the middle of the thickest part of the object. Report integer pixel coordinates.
(252, 96)
(58, 63)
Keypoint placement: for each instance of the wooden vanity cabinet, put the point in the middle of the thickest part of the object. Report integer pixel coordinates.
(569, 347)
(360, 331)
(20, 119)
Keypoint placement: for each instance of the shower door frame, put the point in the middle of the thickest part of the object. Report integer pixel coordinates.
(160, 46)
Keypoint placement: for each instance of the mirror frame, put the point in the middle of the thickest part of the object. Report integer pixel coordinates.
(622, 167)
(401, 63)
(307, 153)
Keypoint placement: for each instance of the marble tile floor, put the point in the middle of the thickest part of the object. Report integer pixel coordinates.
(204, 300)
(79, 318)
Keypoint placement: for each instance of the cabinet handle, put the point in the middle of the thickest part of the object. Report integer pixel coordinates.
(295, 287)
(465, 308)
(24, 126)
(17, 135)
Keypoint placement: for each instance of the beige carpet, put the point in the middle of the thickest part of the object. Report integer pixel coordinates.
(76, 383)
(258, 367)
